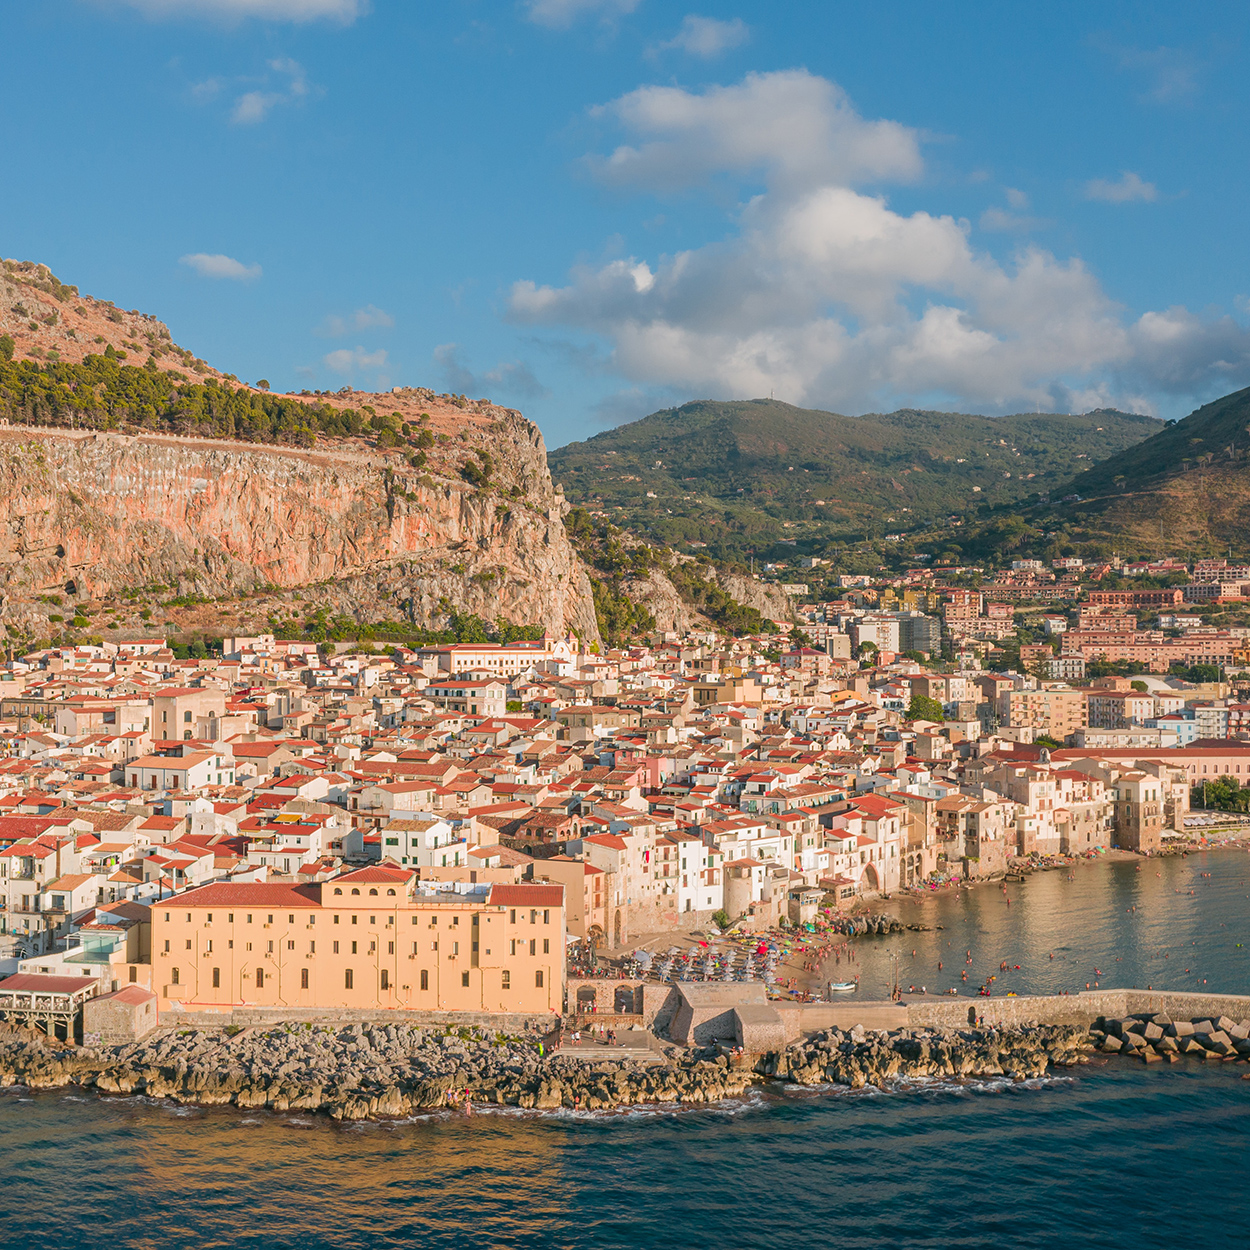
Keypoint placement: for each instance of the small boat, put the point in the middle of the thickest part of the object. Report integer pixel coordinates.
(842, 987)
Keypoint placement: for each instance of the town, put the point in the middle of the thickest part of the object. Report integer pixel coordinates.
(460, 828)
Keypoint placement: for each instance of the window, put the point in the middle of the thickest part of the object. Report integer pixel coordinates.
(337, 891)
(290, 946)
(464, 980)
(347, 979)
(353, 948)
(455, 948)
(353, 920)
(373, 946)
(546, 946)
(291, 919)
(134, 973)
(533, 916)
(546, 917)
(186, 718)
(216, 978)
(166, 946)
(390, 948)
(208, 946)
(249, 917)
(425, 979)
(303, 978)
(312, 948)
(538, 979)
(188, 943)
(270, 946)
(373, 920)
(505, 980)
(336, 948)
(533, 946)
(386, 980)
(270, 920)
(173, 976)
(209, 917)
(511, 916)
(336, 920)
(513, 950)
(260, 978)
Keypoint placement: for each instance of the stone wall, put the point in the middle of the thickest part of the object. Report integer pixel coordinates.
(503, 1022)
(1083, 1008)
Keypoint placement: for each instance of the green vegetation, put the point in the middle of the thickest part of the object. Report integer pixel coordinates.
(922, 707)
(746, 477)
(320, 626)
(102, 393)
(1197, 673)
(6, 348)
(1224, 794)
(619, 618)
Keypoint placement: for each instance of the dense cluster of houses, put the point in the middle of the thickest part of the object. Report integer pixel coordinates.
(653, 783)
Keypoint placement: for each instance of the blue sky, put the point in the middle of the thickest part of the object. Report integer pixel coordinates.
(590, 209)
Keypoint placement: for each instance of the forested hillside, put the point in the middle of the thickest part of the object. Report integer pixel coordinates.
(740, 476)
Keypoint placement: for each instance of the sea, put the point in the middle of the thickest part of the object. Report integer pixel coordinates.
(1111, 1154)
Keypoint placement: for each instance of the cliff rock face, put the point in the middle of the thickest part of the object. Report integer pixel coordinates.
(87, 514)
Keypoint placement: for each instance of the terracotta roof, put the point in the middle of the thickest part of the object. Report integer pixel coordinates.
(527, 895)
(29, 982)
(242, 894)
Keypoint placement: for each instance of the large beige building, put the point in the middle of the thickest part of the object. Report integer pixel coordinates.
(368, 940)
(1055, 711)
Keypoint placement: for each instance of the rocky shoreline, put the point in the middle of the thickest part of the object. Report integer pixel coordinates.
(392, 1071)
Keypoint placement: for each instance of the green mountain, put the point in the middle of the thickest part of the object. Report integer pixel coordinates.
(1184, 489)
(742, 476)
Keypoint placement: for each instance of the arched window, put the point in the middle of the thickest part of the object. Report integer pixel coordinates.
(390, 891)
(337, 890)
(355, 890)
(373, 891)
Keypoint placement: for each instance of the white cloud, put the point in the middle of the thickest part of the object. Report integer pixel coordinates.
(707, 37)
(1015, 197)
(354, 359)
(1128, 187)
(1000, 219)
(254, 106)
(824, 294)
(345, 11)
(561, 14)
(367, 318)
(1171, 73)
(215, 265)
(514, 377)
(789, 127)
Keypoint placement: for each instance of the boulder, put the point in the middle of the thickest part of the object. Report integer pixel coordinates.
(1152, 1032)
(1180, 1028)
(1111, 1044)
(1224, 1024)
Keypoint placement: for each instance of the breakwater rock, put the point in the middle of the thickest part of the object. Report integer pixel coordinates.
(859, 1057)
(359, 1072)
(1155, 1037)
(858, 926)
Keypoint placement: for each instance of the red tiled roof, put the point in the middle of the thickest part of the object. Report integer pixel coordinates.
(527, 896)
(242, 894)
(377, 873)
(28, 982)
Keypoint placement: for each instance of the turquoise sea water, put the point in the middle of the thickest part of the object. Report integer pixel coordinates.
(1114, 1154)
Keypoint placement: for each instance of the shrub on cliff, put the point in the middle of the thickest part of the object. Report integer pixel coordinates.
(6, 347)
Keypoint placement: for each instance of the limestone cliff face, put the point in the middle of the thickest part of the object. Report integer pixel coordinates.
(766, 598)
(88, 514)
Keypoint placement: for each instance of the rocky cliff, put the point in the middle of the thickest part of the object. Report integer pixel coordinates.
(93, 514)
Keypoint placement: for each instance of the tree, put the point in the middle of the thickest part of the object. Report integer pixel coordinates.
(263, 384)
(721, 919)
(1139, 685)
(922, 707)
(6, 347)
